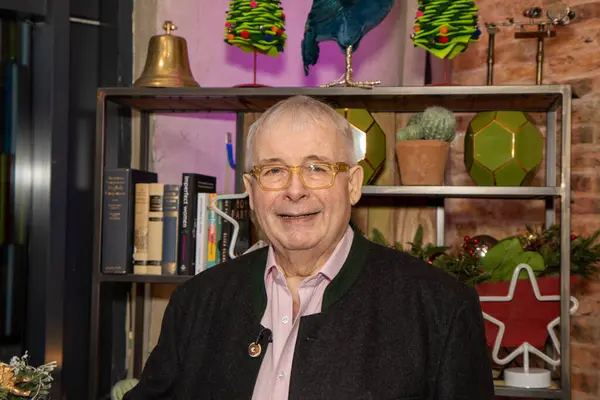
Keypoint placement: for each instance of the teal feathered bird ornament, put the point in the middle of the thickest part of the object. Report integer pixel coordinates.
(343, 21)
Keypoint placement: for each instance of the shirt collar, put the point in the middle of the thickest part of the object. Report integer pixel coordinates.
(333, 265)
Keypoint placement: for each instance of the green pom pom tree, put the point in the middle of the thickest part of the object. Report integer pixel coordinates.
(256, 26)
(445, 28)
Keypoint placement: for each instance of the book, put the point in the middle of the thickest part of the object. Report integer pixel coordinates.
(191, 185)
(170, 229)
(212, 234)
(118, 218)
(202, 232)
(155, 229)
(140, 242)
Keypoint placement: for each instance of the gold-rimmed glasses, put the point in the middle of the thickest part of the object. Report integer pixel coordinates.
(314, 174)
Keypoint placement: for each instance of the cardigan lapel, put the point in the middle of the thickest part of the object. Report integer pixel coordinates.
(349, 273)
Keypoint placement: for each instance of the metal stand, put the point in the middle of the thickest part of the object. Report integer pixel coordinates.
(558, 14)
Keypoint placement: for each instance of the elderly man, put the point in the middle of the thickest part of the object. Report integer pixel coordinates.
(321, 313)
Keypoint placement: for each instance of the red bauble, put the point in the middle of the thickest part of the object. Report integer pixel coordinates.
(245, 34)
(477, 246)
(444, 39)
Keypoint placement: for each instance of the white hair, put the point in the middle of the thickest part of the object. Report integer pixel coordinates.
(304, 112)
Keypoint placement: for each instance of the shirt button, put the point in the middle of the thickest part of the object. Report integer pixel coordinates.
(281, 375)
(285, 320)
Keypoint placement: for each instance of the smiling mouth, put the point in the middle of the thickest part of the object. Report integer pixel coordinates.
(298, 216)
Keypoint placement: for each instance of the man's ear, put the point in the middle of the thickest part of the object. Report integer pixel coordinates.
(355, 180)
(248, 185)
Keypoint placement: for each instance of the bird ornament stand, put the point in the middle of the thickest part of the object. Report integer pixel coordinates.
(346, 23)
(557, 14)
(346, 79)
(526, 376)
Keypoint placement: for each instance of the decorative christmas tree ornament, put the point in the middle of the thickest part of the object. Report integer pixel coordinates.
(21, 381)
(526, 376)
(256, 26)
(369, 139)
(445, 28)
(503, 148)
(478, 246)
(9, 382)
(167, 62)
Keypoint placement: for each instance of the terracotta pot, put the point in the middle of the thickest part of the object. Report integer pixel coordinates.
(422, 162)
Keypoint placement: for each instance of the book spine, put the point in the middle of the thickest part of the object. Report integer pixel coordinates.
(225, 231)
(192, 184)
(212, 234)
(186, 248)
(218, 236)
(116, 223)
(242, 243)
(170, 229)
(245, 230)
(140, 241)
(202, 232)
(155, 229)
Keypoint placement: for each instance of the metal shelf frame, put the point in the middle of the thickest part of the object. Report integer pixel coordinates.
(553, 100)
(36, 9)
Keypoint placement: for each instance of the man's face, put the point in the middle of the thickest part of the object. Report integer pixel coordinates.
(298, 218)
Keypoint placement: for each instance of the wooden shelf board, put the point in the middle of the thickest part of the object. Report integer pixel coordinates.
(552, 392)
(504, 192)
(131, 278)
(529, 98)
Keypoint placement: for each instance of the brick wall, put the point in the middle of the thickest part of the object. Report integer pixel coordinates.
(571, 57)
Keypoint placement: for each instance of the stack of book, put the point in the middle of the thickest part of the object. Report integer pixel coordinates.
(152, 228)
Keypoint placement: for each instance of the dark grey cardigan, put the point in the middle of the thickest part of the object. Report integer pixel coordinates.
(391, 327)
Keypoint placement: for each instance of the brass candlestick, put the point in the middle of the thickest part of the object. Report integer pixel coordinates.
(492, 30)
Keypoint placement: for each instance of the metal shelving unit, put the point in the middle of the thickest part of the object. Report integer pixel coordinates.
(490, 192)
(26, 8)
(548, 99)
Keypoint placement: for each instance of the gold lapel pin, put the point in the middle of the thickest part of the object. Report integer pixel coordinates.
(254, 350)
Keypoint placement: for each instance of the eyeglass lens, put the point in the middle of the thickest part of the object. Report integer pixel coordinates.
(314, 175)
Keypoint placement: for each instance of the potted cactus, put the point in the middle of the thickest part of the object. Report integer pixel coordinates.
(422, 146)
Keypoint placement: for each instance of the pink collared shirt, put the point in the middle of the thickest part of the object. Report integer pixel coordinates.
(274, 376)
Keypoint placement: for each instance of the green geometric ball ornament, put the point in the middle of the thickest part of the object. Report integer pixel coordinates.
(503, 148)
(369, 141)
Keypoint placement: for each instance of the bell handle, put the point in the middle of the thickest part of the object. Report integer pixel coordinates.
(168, 26)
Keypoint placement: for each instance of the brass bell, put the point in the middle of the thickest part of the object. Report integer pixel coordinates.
(167, 63)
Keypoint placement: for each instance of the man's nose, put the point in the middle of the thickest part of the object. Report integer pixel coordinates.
(296, 189)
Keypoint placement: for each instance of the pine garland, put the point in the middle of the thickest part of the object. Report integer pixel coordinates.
(256, 25)
(539, 248)
(20, 376)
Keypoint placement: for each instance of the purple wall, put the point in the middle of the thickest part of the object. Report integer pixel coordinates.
(196, 143)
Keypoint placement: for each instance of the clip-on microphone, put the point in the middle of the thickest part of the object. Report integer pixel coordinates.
(255, 348)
